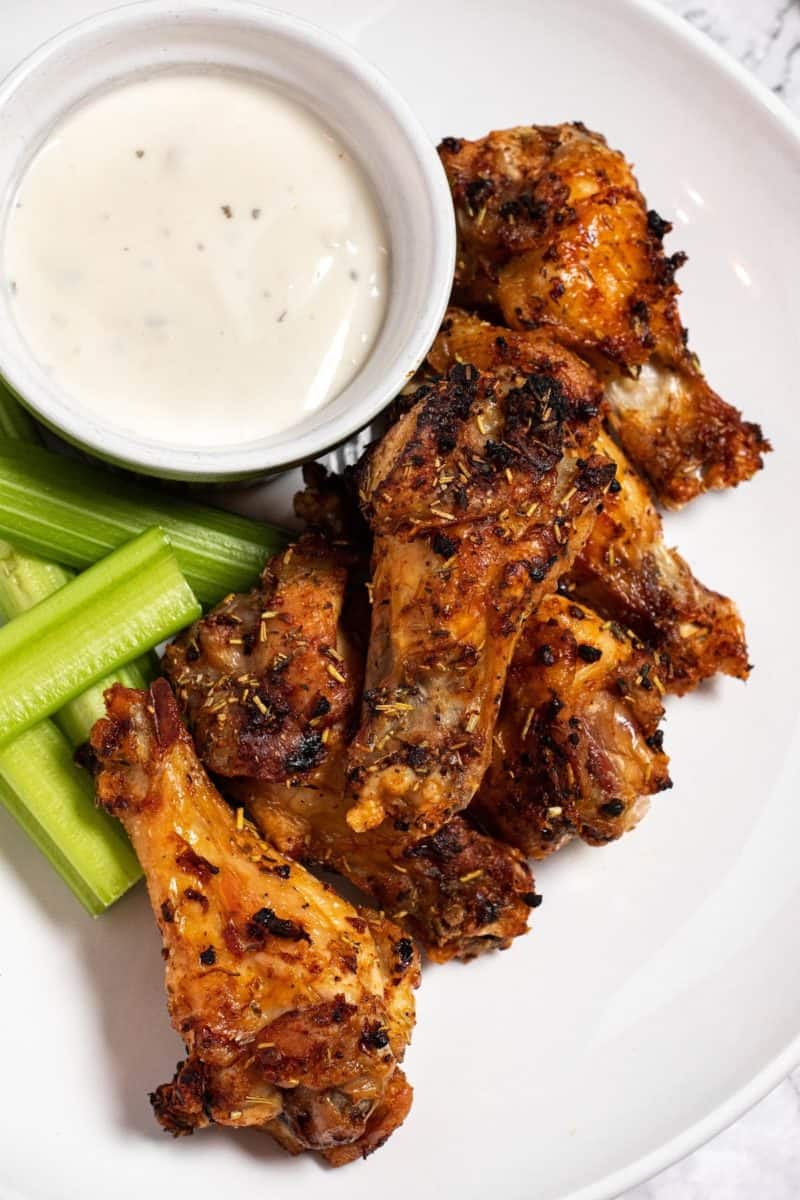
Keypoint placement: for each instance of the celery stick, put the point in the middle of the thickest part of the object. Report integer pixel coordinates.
(40, 785)
(74, 514)
(99, 621)
(24, 581)
(53, 800)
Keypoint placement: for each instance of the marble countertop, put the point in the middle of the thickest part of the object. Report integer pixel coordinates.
(757, 1158)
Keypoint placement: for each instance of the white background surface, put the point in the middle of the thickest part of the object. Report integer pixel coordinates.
(631, 1006)
(758, 1158)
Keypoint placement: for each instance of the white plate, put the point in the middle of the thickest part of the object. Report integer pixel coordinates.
(659, 994)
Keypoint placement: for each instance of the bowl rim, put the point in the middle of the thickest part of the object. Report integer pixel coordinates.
(288, 447)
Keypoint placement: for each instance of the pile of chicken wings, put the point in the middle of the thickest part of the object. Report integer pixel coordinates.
(459, 666)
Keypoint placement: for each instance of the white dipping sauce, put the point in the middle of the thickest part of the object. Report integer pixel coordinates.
(197, 259)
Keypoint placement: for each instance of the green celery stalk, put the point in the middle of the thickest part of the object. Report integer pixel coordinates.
(74, 514)
(24, 582)
(53, 801)
(40, 784)
(107, 617)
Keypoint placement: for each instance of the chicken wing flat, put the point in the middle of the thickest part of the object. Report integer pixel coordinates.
(458, 891)
(624, 570)
(294, 1006)
(577, 747)
(479, 494)
(554, 234)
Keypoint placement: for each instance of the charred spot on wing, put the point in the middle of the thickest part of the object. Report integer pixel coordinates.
(320, 708)
(595, 474)
(416, 756)
(525, 206)
(656, 741)
(477, 192)
(443, 545)
(404, 952)
(667, 268)
(308, 753)
(374, 1037)
(657, 225)
(447, 406)
(539, 568)
(486, 911)
(194, 864)
(265, 922)
(499, 454)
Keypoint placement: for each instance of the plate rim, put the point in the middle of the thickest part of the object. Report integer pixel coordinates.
(613, 1185)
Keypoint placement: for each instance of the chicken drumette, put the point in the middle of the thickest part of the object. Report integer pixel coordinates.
(577, 747)
(627, 573)
(271, 684)
(554, 234)
(478, 497)
(624, 570)
(295, 1007)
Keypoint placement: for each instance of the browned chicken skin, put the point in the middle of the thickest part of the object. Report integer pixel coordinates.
(627, 573)
(478, 496)
(554, 234)
(294, 1006)
(624, 570)
(260, 691)
(577, 745)
(459, 891)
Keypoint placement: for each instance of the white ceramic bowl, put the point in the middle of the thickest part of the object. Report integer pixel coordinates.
(351, 96)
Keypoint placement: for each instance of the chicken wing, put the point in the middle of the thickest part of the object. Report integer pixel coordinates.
(624, 570)
(459, 891)
(478, 496)
(577, 748)
(294, 1006)
(554, 234)
(627, 573)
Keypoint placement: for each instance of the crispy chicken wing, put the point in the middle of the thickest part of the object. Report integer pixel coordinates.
(294, 1006)
(577, 747)
(253, 693)
(459, 891)
(624, 570)
(480, 493)
(627, 573)
(555, 234)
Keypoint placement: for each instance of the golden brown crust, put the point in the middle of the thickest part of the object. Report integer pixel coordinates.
(477, 495)
(577, 745)
(293, 1007)
(624, 570)
(466, 338)
(243, 674)
(554, 234)
(682, 435)
(627, 573)
(459, 891)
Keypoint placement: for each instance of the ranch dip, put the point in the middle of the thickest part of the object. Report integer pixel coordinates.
(196, 258)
